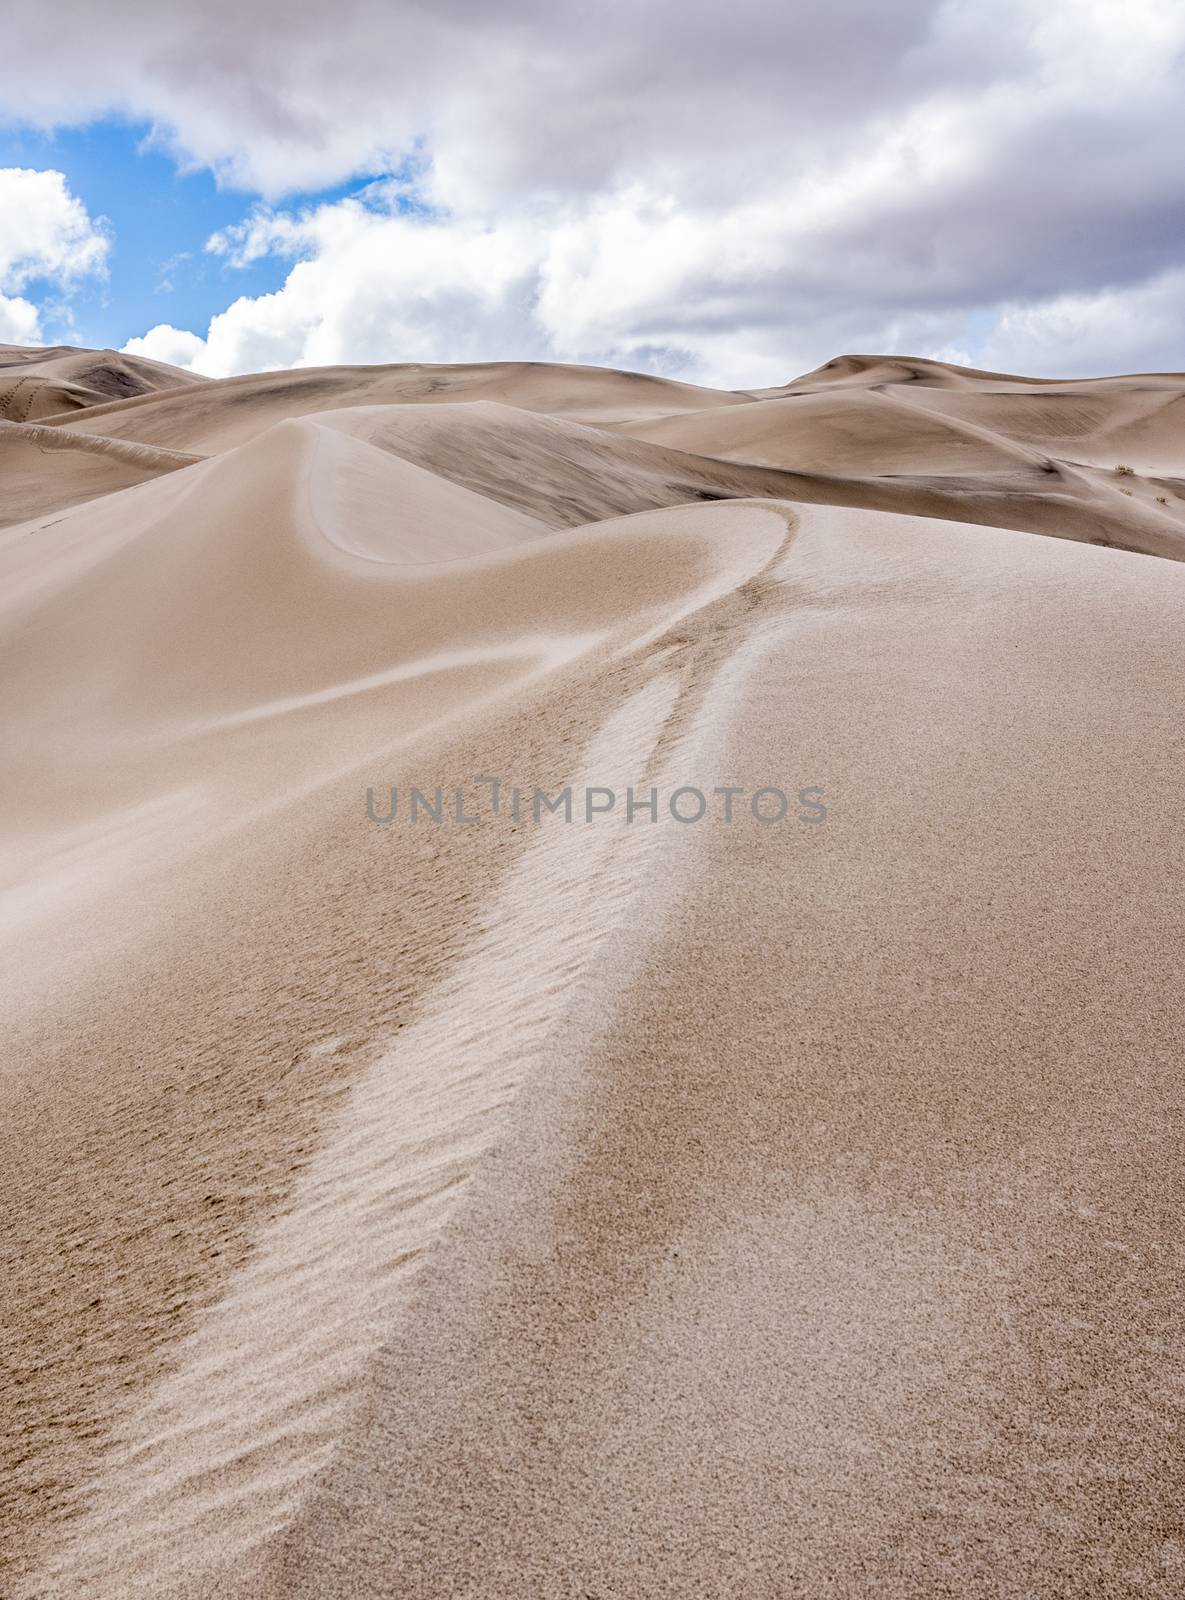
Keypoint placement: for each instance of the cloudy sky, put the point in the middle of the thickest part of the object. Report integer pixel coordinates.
(730, 193)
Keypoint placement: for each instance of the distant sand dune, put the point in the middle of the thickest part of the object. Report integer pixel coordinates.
(39, 383)
(884, 433)
(924, 438)
(595, 1208)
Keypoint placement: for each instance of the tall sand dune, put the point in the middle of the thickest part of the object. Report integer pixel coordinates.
(622, 1204)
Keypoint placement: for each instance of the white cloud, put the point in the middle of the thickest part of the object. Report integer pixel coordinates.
(44, 230)
(377, 286)
(171, 345)
(1137, 329)
(45, 234)
(20, 322)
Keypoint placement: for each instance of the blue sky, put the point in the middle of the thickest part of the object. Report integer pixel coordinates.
(158, 218)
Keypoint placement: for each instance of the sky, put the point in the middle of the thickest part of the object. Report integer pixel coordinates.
(726, 194)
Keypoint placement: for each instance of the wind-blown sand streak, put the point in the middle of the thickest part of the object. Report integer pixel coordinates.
(216, 1458)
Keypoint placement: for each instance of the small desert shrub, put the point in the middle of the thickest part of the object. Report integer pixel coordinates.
(1162, 499)
(1126, 472)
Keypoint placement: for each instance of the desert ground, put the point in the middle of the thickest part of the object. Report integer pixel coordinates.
(611, 1208)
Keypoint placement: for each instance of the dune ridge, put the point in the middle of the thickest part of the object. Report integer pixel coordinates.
(602, 1206)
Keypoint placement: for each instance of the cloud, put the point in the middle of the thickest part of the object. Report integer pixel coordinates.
(376, 285)
(174, 346)
(46, 236)
(1088, 335)
(541, 94)
(45, 231)
(20, 322)
(732, 193)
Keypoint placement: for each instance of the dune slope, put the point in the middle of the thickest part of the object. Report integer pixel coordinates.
(396, 1203)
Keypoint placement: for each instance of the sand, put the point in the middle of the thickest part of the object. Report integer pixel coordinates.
(596, 1208)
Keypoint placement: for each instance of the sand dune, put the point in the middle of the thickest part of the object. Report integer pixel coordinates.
(36, 383)
(642, 1208)
(926, 438)
(883, 433)
(564, 473)
(233, 409)
(94, 465)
